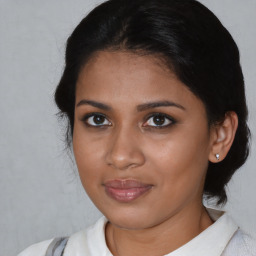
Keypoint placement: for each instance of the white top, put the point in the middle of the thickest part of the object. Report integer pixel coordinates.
(222, 238)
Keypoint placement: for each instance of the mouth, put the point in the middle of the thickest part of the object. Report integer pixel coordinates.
(126, 190)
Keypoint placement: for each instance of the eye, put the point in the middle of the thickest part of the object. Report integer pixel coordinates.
(159, 120)
(96, 120)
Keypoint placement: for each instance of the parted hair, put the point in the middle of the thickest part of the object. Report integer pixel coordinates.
(191, 41)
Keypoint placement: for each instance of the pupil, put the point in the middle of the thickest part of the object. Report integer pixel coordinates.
(159, 120)
(98, 119)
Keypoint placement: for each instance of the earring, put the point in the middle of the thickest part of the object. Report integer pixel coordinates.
(217, 156)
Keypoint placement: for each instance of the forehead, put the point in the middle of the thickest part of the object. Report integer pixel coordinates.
(127, 77)
(113, 65)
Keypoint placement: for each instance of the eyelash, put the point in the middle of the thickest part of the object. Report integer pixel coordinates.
(167, 118)
(161, 115)
(88, 116)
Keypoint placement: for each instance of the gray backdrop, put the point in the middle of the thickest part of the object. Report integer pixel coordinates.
(41, 196)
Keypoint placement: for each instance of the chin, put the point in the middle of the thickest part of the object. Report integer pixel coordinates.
(130, 225)
(131, 220)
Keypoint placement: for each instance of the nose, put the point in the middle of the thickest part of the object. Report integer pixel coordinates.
(124, 150)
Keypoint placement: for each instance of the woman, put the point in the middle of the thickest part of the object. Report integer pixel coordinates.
(154, 95)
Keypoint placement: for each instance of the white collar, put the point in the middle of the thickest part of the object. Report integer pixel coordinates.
(210, 242)
(213, 240)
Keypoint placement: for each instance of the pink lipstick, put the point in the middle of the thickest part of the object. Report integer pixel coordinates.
(126, 190)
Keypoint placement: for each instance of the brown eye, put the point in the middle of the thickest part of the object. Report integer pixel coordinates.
(97, 120)
(159, 120)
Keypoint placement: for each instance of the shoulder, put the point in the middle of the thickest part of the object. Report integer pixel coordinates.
(241, 244)
(90, 241)
(81, 243)
(38, 249)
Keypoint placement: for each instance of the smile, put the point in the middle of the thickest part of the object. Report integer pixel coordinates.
(126, 190)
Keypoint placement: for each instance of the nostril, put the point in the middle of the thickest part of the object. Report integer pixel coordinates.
(126, 158)
(124, 149)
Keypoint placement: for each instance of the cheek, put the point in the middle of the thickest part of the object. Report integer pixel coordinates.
(88, 153)
(181, 158)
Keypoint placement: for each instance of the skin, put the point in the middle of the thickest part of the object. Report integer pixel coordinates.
(129, 144)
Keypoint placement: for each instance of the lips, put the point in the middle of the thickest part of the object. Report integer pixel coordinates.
(126, 190)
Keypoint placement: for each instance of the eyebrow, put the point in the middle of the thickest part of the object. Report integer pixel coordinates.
(140, 108)
(94, 104)
(157, 104)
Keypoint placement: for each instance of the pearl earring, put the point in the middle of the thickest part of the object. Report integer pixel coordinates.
(217, 156)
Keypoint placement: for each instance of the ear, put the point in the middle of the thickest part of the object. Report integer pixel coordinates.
(222, 137)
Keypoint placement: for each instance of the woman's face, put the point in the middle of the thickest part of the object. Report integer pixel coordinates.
(141, 140)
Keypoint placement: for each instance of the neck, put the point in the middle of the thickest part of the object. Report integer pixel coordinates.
(160, 239)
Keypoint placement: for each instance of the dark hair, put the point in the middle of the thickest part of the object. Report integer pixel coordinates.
(191, 41)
